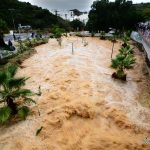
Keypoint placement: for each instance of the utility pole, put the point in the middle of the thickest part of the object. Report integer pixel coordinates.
(66, 15)
(56, 12)
(72, 14)
(11, 11)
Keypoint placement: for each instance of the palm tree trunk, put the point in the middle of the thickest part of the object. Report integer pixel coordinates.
(12, 105)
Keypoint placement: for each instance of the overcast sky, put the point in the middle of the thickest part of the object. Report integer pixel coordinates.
(68, 4)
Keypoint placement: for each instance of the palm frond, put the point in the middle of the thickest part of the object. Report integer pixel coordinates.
(117, 61)
(29, 100)
(129, 61)
(22, 92)
(3, 77)
(126, 50)
(5, 113)
(11, 70)
(3, 94)
(10, 89)
(16, 83)
(23, 112)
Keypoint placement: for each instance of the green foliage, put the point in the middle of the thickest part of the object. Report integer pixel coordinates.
(27, 14)
(22, 46)
(28, 44)
(129, 61)
(57, 33)
(23, 112)
(77, 25)
(3, 25)
(121, 14)
(143, 11)
(5, 113)
(124, 60)
(102, 35)
(29, 100)
(126, 40)
(11, 93)
(92, 34)
(126, 50)
(146, 13)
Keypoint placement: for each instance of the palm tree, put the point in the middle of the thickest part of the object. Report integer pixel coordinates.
(126, 40)
(12, 95)
(126, 50)
(120, 63)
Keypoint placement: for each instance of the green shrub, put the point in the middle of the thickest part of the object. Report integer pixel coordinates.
(23, 112)
(126, 40)
(124, 60)
(102, 35)
(13, 97)
(92, 34)
(58, 33)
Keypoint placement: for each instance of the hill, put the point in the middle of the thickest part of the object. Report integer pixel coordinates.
(26, 14)
(144, 10)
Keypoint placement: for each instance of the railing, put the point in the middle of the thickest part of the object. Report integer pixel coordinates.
(146, 45)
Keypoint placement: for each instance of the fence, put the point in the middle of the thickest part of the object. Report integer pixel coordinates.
(144, 45)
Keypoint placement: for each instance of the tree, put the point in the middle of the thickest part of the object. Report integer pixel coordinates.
(27, 14)
(12, 95)
(77, 25)
(58, 32)
(3, 27)
(124, 60)
(120, 14)
(126, 40)
(146, 13)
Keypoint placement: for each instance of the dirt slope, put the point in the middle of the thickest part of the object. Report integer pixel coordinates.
(81, 106)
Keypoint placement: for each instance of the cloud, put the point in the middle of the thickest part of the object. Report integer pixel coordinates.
(82, 5)
(62, 4)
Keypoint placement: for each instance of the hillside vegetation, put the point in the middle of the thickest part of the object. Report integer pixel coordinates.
(27, 14)
(121, 14)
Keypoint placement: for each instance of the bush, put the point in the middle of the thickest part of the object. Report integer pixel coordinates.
(27, 44)
(102, 36)
(124, 60)
(126, 40)
(58, 33)
(13, 97)
(92, 34)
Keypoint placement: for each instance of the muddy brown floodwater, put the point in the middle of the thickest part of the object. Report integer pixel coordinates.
(81, 106)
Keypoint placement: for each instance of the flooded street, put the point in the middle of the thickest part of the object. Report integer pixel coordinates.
(81, 106)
